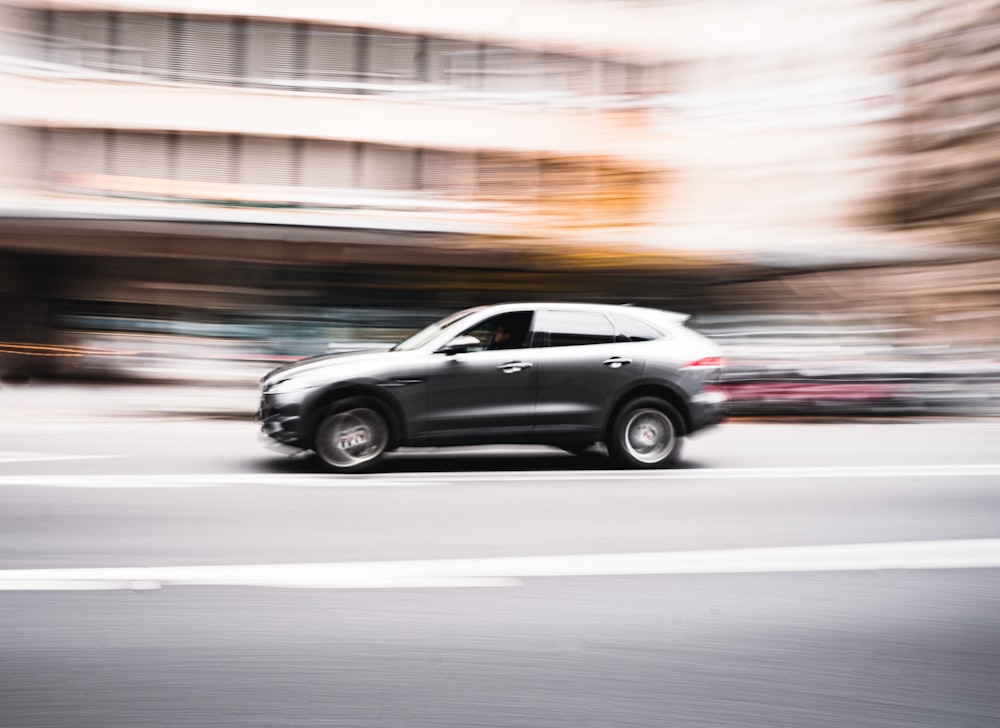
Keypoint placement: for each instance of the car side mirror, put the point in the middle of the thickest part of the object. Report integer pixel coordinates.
(459, 345)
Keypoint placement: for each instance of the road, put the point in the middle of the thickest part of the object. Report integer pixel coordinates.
(176, 573)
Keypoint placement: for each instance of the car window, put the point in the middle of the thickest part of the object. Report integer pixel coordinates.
(507, 331)
(630, 329)
(430, 332)
(576, 328)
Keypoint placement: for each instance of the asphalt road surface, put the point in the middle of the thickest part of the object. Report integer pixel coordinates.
(176, 573)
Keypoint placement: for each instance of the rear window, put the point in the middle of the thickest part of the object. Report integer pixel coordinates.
(630, 329)
(578, 328)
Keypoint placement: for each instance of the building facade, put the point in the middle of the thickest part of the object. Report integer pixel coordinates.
(253, 156)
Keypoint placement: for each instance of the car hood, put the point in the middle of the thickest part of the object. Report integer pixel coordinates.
(326, 361)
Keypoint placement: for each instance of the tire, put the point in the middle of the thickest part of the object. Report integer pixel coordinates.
(646, 433)
(352, 436)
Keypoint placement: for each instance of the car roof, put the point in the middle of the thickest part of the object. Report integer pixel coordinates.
(626, 309)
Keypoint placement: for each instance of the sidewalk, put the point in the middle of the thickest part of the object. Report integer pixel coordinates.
(47, 402)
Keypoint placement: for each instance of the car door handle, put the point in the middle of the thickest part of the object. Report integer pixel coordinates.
(616, 362)
(514, 366)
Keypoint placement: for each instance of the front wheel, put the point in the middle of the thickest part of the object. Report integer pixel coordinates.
(352, 436)
(646, 433)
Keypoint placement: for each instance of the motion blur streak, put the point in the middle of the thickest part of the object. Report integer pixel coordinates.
(193, 197)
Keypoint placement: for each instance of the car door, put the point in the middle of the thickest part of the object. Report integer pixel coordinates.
(583, 369)
(484, 394)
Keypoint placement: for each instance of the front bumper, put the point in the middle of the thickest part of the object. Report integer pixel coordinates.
(280, 420)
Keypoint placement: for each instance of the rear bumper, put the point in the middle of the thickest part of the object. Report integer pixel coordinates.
(708, 408)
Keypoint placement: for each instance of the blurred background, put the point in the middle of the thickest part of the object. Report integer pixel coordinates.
(195, 192)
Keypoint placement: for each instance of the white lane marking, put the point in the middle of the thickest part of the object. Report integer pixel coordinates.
(508, 571)
(768, 473)
(209, 480)
(130, 423)
(150, 583)
(28, 457)
(514, 477)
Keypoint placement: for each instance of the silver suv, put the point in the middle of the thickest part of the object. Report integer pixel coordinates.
(566, 375)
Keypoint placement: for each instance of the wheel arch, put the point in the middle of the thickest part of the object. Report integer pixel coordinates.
(652, 389)
(389, 408)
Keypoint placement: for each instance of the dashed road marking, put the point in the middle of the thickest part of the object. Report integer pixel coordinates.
(510, 571)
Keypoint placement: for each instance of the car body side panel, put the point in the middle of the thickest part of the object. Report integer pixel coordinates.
(669, 368)
(474, 396)
(576, 388)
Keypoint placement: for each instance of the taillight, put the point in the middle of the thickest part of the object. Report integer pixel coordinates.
(708, 362)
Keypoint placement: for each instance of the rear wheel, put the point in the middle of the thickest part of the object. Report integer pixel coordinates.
(352, 436)
(646, 433)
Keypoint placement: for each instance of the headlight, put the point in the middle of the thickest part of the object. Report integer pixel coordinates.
(293, 384)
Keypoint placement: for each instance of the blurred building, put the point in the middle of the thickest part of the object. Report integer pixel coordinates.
(160, 159)
(259, 155)
(948, 141)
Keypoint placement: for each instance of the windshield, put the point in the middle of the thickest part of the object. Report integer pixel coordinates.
(429, 333)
